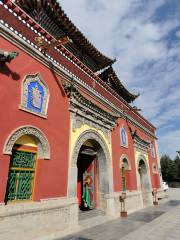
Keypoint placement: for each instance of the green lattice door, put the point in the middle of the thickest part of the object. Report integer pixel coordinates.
(21, 176)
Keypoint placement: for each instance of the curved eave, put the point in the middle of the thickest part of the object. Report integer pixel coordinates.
(56, 13)
(109, 76)
(137, 138)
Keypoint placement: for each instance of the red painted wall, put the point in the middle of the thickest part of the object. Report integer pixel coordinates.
(9, 18)
(155, 178)
(117, 151)
(51, 175)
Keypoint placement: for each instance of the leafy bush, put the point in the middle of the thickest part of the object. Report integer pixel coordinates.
(170, 168)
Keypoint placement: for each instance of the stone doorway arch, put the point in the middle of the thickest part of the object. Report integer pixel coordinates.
(105, 177)
(144, 179)
(43, 144)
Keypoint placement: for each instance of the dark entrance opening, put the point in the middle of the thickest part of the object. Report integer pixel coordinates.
(87, 178)
(144, 181)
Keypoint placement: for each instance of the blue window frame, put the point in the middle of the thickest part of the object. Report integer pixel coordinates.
(35, 95)
(123, 137)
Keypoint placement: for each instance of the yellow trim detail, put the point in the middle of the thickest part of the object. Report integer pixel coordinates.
(27, 141)
(75, 133)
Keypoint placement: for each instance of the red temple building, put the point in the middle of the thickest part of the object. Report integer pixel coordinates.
(68, 127)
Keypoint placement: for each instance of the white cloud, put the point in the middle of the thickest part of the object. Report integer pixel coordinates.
(178, 34)
(169, 143)
(145, 60)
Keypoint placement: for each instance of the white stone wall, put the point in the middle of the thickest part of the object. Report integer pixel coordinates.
(133, 202)
(41, 218)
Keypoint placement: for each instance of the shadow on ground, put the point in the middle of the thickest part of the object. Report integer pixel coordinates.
(117, 229)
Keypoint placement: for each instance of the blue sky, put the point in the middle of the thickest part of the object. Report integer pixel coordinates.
(144, 37)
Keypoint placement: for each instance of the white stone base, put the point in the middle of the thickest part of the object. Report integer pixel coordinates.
(162, 194)
(53, 218)
(37, 219)
(133, 202)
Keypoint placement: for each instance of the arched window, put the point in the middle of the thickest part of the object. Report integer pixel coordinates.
(22, 169)
(123, 136)
(125, 172)
(125, 164)
(25, 145)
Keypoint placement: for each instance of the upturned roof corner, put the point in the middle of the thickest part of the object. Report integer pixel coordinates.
(110, 77)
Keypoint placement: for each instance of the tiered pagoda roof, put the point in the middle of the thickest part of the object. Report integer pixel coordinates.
(109, 76)
(49, 14)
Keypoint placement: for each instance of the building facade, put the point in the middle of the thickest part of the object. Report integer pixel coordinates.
(67, 124)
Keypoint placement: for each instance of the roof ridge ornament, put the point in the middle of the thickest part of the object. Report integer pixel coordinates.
(54, 43)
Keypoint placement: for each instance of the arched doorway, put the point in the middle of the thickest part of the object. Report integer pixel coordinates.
(144, 180)
(90, 162)
(24, 145)
(22, 169)
(87, 180)
(125, 167)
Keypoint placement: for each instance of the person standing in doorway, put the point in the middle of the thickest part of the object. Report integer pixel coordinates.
(86, 197)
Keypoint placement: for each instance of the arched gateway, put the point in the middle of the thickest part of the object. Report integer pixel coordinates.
(91, 164)
(144, 178)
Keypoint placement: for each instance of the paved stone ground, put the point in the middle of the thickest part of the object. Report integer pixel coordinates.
(155, 223)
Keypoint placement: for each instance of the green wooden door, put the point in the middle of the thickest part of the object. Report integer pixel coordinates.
(21, 176)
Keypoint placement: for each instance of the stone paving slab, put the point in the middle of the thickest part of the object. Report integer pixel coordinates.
(107, 230)
(153, 223)
(115, 229)
(145, 216)
(166, 227)
(160, 222)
